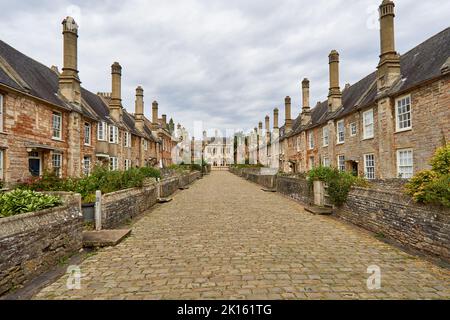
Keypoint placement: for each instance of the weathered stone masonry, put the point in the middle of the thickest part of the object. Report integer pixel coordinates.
(33, 243)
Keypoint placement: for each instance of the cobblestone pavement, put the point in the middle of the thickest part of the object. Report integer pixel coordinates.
(224, 238)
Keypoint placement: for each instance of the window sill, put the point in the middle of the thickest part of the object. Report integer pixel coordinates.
(403, 130)
(4, 133)
(340, 143)
(371, 138)
(57, 139)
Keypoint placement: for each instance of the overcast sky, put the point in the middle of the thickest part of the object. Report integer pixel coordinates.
(228, 63)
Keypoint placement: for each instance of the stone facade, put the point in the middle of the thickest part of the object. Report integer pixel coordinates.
(33, 243)
(49, 123)
(385, 126)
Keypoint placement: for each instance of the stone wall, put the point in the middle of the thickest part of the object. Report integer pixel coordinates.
(297, 189)
(396, 216)
(120, 206)
(33, 243)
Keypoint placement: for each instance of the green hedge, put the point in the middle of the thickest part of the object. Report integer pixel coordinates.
(101, 179)
(23, 201)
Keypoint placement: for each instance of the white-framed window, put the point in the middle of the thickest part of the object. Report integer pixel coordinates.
(87, 166)
(57, 164)
(311, 140)
(326, 162)
(127, 164)
(101, 131)
(341, 163)
(87, 134)
(405, 163)
(353, 129)
(127, 140)
(113, 134)
(57, 125)
(368, 124)
(2, 161)
(311, 162)
(1, 114)
(369, 166)
(403, 113)
(113, 164)
(340, 132)
(145, 142)
(326, 136)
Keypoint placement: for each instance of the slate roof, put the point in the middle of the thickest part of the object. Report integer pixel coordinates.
(31, 77)
(418, 65)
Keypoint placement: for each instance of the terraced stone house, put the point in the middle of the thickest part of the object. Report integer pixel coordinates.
(387, 125)
(49, 123)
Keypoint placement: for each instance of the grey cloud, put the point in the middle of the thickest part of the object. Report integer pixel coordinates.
(228, 63)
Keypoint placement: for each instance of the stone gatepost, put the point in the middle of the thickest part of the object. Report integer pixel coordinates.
(319, 193)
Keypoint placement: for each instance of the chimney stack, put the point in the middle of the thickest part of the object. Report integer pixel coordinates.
(267, 129)
(69, 82)
(155, 114)
(115, 104)
(275, 118)
(335, 94)
(306, 110)
(139, 112)
(164, 120)
(389, 66)
(288, 125)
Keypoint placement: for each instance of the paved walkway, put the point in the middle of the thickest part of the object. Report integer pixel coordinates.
(225, 238)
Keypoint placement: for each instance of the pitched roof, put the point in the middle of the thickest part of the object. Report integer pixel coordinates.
(418, 65)
(29, 76)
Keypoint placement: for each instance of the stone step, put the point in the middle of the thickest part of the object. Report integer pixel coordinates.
(104, 238)
(319, 210)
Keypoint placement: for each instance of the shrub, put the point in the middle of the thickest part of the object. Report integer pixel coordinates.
(101, 179)
(339, 183)
(433, 186)
(23, 201)
(441, 160)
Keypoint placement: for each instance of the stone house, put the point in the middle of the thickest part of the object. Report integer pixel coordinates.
(387, 125)
(49, 123)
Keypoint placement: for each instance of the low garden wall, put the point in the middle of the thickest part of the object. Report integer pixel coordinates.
(33, 243)
(387, 212)
(118, 207)
(396, 216)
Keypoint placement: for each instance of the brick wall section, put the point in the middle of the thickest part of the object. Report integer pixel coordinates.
(424, 228)
(33, 243)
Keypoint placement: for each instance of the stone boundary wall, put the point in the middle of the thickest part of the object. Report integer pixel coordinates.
(421, 227)
(33, 243)
(387, 212)
(120, 206)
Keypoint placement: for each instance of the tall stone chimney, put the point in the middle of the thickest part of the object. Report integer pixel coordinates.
(69, 82)
(288, 124)
(267, 128)
(335, 94)
(139, 112)
(306, 110)
(164, 121)
(155, 114)
(275, 118)
(389, 66)
(115, 104)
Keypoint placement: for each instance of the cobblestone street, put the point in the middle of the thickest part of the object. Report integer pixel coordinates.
(224, 238)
